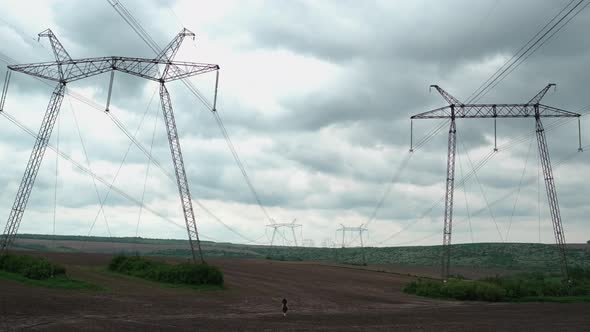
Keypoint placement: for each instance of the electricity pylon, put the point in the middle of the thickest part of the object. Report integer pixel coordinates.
(360, 229)
(533, 108)
(308, 243)
(276, 229)
(328, 243)
(162, 69)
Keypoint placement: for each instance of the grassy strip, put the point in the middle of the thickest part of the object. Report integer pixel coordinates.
(183, 273)
(57, 282)
(152, 283)
(528, 287)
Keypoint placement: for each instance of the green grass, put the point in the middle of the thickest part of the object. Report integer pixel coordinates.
(524, 287)
(106, 271)
(182, 273)
(57, 282)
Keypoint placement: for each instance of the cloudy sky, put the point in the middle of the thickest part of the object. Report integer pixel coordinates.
(316, 96)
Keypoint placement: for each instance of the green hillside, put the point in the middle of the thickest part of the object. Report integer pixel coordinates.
(510, 256)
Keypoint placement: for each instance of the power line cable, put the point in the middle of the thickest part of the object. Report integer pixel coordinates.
(465, 194)
(85, 170)
(519, 188)
(481, 189)
(231, 229)
(75, 120)
(483, 161)
(8, 60)
(487, 86)
(56, 174)
(460, 183)
(537, 47)
(539, 193)
(432, 133)
(103, 201)
(147, 172)
(481, 87)
(100, 108)
(241, 165)
(394, 178)
(492, 79)
(145, 36)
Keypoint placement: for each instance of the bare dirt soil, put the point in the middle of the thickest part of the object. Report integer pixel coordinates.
(321, 297)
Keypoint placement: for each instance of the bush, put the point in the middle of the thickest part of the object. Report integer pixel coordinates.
(531, 285)
(489, 292)
(464, 290)
(30, 266)
(116, 262)
(183, 273)
(424, 288)
(509, 288)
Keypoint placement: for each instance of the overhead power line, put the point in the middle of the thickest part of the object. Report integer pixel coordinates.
(539, 39)
(511, 143)
(394, 178)
(548, 31)
(518, 58)
(120, 8)
(11, 61)
(86, 170)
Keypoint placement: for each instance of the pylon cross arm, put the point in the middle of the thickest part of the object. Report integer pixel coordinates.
(471, 111)
(76, 69)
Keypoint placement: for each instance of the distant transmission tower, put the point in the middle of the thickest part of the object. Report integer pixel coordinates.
(354, 230)
(531, 109)
(328, 243)
(276, 228)
(308, 243)
(162, 69)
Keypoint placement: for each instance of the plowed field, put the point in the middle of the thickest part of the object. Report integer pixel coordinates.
(321, 297)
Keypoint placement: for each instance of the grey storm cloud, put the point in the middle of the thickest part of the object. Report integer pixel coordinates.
(330, 152)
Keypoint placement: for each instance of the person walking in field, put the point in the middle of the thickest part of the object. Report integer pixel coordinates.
(285, 307)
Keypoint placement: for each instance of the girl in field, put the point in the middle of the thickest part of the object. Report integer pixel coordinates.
(285, 308)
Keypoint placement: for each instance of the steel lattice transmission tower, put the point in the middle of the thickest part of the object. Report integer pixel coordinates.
(532, 109)
(162, 69)
(360, 230)
(277, 226)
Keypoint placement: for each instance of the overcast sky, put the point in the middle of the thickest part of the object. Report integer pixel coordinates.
(316, 96)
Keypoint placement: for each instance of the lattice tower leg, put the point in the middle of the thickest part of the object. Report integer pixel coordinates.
(448, 216)
(363, 248)
(552, 197)
(28, 180)
(181, 178)
(294, 237)
(272, 240)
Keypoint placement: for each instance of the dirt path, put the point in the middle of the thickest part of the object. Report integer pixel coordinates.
(320, 298)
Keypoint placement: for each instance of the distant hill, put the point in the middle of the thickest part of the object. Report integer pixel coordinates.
(508, 256)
